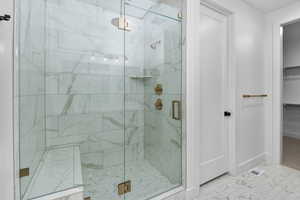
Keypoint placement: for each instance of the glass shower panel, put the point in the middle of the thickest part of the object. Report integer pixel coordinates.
(99, 98)
(71, 97)
(85, 90)
(30, 86)
(153, 96)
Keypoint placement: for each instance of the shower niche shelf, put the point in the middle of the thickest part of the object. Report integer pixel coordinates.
(140, 77)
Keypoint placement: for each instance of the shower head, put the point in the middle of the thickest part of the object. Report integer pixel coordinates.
(155, 44)
(121, 23)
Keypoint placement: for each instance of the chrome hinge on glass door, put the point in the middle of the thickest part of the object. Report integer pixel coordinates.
(124, 188)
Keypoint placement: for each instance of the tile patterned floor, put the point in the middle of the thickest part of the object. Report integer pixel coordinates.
(277, 183)
(101, 184)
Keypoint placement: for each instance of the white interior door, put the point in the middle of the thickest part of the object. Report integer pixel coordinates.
(213, 131)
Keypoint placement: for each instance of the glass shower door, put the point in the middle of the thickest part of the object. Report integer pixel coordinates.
(70, 98)
(153, 98)
(99, 98)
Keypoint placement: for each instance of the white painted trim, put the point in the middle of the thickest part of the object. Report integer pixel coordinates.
(192, 96)
(15, 57)
(170, 194)
(253, 162)
(6, 102)
(277, 82)
(233, 97)
(179, 193)
(277, 94)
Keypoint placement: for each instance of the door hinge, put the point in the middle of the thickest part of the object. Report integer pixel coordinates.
(124, 188)
(24, 172)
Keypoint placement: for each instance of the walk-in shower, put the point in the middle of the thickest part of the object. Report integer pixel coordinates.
(99, 98)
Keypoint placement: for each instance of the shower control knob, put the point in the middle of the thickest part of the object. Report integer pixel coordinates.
(5, 18)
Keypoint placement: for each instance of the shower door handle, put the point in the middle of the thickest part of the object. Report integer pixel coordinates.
(176, 110)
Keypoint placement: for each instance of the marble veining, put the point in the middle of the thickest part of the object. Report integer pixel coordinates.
(85, 88)
(163, 135)
(60, 169)
(101, 184)
(77, 91)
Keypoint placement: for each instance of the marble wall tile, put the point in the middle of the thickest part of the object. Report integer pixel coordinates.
(31, 78)
(80, 124)
(31, 87)
(113, 120)
(112, 140)
(87, 76)
(168, 9)
(106, 103)
(163, 135)
(87, 82)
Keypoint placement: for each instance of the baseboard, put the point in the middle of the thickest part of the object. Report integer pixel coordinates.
(269, 158)
(188, 194)
(192, 193)
(251, 163)
(292, 135)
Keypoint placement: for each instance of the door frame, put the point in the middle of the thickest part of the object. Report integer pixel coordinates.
(7, 172)
(276, 111)
(232, 97)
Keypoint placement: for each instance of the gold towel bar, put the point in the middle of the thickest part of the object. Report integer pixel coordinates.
(251, 96)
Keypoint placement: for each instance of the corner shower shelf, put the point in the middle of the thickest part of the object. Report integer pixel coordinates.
(140, 77)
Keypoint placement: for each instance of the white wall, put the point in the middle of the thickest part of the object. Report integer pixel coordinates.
(249, 57)
(273, 60)
(6, 104)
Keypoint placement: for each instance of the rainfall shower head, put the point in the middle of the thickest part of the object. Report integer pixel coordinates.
(121, 23)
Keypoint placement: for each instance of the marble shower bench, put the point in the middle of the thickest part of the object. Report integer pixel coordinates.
(59, 175)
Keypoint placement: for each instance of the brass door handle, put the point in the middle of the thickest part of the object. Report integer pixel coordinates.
(176, 110)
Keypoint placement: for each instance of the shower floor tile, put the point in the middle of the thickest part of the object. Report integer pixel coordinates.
(101, 184)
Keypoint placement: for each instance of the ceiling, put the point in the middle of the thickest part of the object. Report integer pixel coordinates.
(270, 5)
